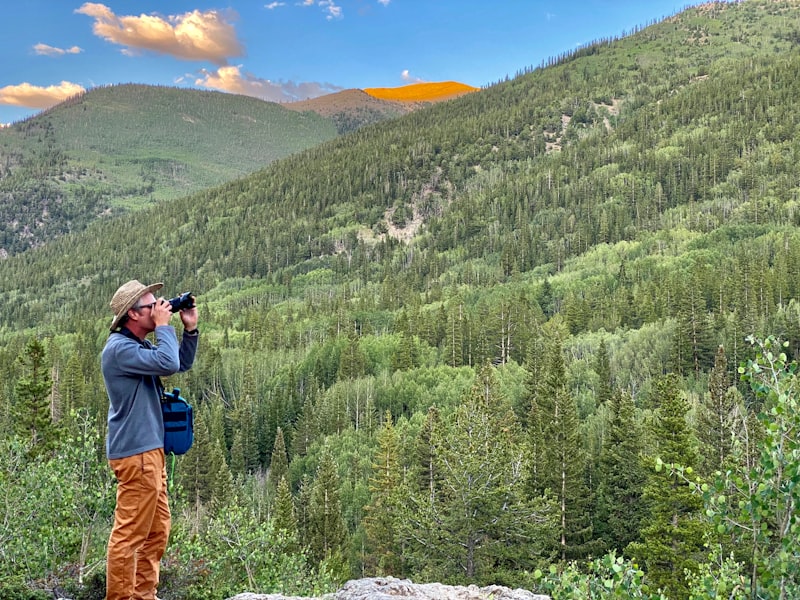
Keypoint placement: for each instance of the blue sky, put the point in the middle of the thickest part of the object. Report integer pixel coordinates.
(288, 50)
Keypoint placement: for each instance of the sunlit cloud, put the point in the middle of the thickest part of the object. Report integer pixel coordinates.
(193, 35)
(406, 76)
(31, 96)
(274, 5)
(384, 2)
(45, 50)
(231, 79)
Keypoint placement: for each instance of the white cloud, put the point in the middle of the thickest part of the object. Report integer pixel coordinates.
(384, 2)
(193, 35)
(232, 79)
(329, 7)
(406, 76)
(31, 96)
(274, 5)
(45, 50)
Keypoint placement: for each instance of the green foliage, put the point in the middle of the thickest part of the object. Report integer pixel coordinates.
(659, 223)
(33, 416)
(607, 577)
(62, 502)
(621, 512)
(473, 519)
(234, 551)
(758, 504)
(673, 534)
(719, 577)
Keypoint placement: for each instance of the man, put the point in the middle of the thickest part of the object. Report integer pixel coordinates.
(131, 367)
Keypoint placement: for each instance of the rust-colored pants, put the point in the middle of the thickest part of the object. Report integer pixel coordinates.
(141, 526)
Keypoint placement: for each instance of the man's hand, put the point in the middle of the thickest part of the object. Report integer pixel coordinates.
(161, 312)
(189, 317)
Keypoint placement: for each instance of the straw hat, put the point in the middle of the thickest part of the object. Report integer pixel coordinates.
(126, 296)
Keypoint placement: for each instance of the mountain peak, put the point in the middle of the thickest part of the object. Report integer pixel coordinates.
(422, 92)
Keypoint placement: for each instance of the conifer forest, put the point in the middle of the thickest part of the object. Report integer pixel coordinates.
(544, 335)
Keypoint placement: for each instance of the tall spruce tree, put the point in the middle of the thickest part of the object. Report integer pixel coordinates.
(672, 539)
(602, 368)
(621, 477)
(558, 462)
(382, 511)
(326, 530)
(284, 516)
(32, 411)
(718, 417)
(279, 461)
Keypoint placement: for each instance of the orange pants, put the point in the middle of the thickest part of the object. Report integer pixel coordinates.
(141, 526)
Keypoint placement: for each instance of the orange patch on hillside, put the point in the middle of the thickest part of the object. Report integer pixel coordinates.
(422, 92)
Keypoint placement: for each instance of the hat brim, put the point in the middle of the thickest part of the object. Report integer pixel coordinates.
(129, 304)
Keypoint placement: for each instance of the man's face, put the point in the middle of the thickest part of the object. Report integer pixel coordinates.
(144, 307)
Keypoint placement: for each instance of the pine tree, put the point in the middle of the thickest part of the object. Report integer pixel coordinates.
(426, 453)
(621, 477)
(672, 539)
(478, 521)
(352, 362)
(279, 462)
(558, 462)
(204, 474)
(32, 410)
(381, 512)
(284, 515)
(327, 534)
(307, 427)
(717, 417)
(602, 368)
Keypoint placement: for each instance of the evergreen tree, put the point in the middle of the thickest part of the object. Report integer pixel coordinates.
(307, 427)
(602, 368)
(326, 531)
(204, 474)
(673, 536)
(479, 516)
(558, 462)
(621, 477)
(352, 362)
(284, 516)
(279, 462)
(32, 411)
(717, 417)
(381, 512)
(425, 468)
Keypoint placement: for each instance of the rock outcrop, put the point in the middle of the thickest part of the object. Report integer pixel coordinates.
(390, 588)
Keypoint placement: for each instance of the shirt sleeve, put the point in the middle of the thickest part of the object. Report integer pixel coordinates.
(187, 352)
(161, 359)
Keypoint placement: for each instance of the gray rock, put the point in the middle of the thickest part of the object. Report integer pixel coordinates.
(390, 588)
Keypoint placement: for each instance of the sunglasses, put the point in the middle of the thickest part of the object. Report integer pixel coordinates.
(151, 305)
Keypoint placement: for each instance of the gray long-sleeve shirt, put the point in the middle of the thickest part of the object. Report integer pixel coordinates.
(130, 371)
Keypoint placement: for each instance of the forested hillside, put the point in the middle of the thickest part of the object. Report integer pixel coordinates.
(123, 147)
(504, 339)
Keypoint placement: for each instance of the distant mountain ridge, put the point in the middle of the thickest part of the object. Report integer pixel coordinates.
(121, 147)
(354, 108)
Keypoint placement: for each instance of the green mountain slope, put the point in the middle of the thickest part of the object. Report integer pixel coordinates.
(127, 146)
(671, 129)
(587, 227)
